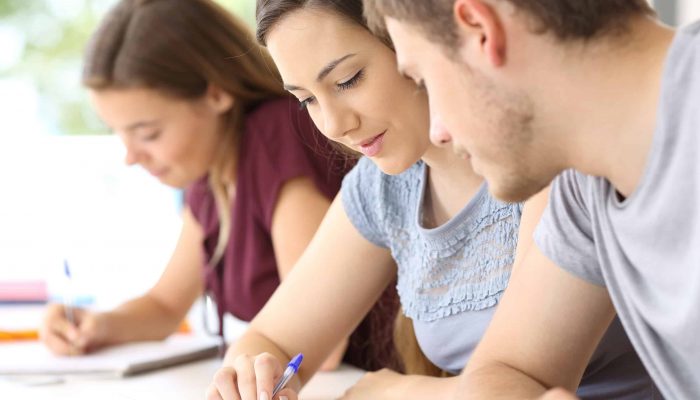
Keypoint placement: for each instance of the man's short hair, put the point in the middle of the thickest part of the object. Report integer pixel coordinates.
(565, 19)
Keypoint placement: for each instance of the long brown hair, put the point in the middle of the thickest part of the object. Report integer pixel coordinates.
(268, 14)
(180, 48)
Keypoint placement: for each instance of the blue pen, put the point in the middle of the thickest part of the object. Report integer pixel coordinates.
(292, 369)
(67, 300)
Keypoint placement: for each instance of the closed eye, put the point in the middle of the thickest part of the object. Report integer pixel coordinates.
(305, 103)
(348, 84)
(151, 136)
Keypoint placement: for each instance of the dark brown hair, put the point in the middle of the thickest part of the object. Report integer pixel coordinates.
(565, 19)
(180, 48)
(269, 13)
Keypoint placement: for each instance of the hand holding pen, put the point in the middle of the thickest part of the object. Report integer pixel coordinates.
(292, 368)
(255, 378)
(67, 330)
(84, 334)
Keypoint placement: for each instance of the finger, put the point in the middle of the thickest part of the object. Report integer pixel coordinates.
(65, 328)
(88, 332)
(55, 338)
(56, 343)
(245, 378)
(213, 393)
(55, 321)
(224, 384)
(267, 371)
(287, 394)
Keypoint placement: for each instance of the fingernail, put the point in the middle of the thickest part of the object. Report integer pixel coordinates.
(263, 396)
(284, 398)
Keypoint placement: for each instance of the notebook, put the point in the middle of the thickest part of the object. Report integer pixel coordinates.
(33, 358)
(25, 291)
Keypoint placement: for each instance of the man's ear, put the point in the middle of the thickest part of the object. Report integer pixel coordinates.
(481, 31)
(218, 99)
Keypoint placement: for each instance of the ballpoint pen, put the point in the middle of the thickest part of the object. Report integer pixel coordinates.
(67, 300)
(292, 369)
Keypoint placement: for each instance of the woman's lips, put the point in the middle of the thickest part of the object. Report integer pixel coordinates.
(373, 146)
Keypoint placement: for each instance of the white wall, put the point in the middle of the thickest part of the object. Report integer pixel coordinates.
(72, 197)
(682, 11)
(688, 11)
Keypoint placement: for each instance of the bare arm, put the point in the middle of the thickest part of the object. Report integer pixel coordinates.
(336, 281)
(388, 385)
(299, 211)
(545, 330)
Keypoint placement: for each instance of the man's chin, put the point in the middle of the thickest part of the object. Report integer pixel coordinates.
(514, 189)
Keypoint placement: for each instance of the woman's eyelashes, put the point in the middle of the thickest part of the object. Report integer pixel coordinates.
(354, 80)
(340, 86)
(151, 136)
(304, 103)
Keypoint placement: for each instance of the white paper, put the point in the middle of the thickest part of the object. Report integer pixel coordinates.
(24, 358)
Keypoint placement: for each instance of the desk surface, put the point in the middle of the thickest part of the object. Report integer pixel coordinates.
(182, 382)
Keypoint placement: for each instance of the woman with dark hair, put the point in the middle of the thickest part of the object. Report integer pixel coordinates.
(407, 203)
(197, 103)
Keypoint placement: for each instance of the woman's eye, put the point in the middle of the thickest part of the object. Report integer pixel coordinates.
(303, 104)
(151, 136)
(352, 81)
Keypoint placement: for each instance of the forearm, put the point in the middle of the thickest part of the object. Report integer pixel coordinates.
(336, 357)
(425, 387)
(497, 381)
(143, 318)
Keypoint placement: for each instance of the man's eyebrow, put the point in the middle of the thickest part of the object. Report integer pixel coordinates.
(324, 71)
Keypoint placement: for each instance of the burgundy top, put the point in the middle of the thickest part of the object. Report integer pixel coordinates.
(279, 143)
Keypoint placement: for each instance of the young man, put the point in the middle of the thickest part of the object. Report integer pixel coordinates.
(529, 89)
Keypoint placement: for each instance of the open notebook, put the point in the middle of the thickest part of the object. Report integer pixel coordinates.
(31, 357)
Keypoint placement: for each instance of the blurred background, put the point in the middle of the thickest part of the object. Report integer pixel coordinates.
(65, 193)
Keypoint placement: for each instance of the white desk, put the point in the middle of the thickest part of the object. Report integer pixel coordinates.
(184, 382)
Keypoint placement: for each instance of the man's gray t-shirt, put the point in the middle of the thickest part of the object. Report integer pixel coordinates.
(646, 249)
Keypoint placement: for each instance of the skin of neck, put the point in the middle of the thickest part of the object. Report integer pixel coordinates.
(451, 184)
(600, 100)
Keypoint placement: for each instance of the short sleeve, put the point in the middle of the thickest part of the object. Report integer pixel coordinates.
(284, 145)
(360, 193)
(200, 200)
(565, 233)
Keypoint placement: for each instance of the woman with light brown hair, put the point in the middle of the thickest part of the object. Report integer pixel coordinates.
(197, 103)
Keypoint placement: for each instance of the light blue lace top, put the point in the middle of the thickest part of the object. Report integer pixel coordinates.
(450, 278)
(463, 265)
